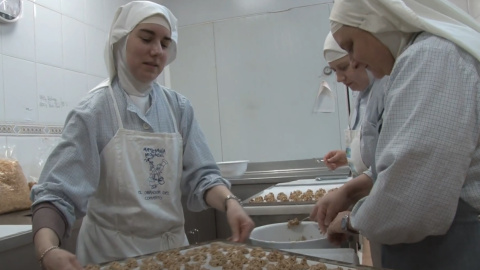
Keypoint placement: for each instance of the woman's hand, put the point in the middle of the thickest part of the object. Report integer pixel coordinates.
(52, 257)
(327, 208)
(335, 234)
(335, 201)
(335, 159)
(240, 223)
(60, 259)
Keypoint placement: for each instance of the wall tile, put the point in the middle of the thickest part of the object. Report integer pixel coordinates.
(461, 3)
(190, 12)
(474, 9)
(111, 7)
(50, 4)
(31, 153)
(95, 15)
(48, 36)
(95, 47)
(74, 9)
(2, 92)
(20, 90)
(73, 44)
(18, 39)
(93, 81)
(3, 142)
(50, 89)
(77, 86)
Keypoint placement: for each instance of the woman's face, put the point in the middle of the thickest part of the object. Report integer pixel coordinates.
(147, 51)
(364, 48)
(354, 78)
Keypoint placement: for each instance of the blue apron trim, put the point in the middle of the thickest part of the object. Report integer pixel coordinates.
(459, 248)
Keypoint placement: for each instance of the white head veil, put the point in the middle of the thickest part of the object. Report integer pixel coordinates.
(127, 18)
(331, 49)
(391, 21)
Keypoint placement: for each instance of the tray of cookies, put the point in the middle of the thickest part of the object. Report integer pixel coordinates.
(224, 255)
(290, 194)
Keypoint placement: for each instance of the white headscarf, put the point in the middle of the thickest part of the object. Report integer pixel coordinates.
(128, 82)
(393, 21)
(127, 18)
(331, 49)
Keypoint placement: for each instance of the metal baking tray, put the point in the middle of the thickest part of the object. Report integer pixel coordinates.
(288, 188)
(220, 255)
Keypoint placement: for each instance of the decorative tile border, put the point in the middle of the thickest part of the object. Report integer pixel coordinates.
(29, 130)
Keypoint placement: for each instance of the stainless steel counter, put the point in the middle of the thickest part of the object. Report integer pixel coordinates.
(17, 252)
(263, 175)
(285, 171)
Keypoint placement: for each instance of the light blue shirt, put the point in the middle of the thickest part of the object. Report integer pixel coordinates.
(428, 151)
(72, 172)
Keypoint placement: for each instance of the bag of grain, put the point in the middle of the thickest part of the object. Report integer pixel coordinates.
(14, 190)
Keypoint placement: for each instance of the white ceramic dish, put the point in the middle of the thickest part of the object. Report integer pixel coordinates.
(279, 236)
(233, 168)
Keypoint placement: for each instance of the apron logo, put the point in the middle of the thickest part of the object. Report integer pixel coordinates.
(156, 168)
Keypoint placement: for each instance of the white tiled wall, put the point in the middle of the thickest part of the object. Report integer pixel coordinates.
(474, 9)
(49, 59)
(54, 54)
(19, 82)
(2, 93)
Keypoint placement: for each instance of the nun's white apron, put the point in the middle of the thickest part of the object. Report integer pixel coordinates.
(137, 207)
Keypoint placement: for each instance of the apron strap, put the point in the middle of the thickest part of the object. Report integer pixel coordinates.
(170, 109)
(119, 119)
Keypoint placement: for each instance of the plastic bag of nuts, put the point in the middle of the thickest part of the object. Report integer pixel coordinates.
(14, 190)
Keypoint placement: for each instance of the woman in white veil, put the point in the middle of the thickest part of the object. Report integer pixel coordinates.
(128, 153)
(425, 203)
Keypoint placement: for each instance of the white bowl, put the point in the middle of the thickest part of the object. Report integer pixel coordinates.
(233, 168)
(279, 236)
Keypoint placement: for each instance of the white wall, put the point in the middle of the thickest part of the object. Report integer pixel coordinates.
(48, 59)
(55, 53)
(253, 77)
(190, 12)
(471, 6)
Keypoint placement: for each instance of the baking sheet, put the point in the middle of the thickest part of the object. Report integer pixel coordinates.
(346, 255)
(287, 189)
(221, 254)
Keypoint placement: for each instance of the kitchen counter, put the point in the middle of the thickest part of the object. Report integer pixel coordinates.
(16, 241)
(15, 230)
